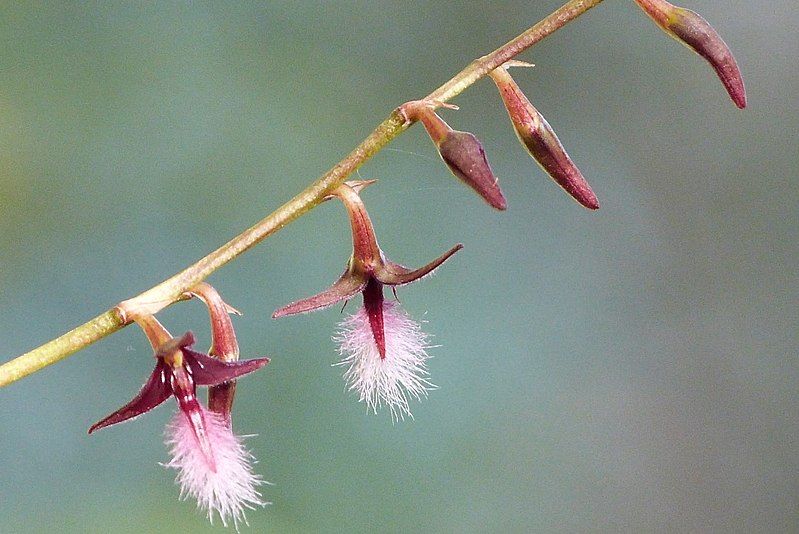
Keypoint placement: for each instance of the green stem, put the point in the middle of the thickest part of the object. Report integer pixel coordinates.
(60, 347)
(172, 289)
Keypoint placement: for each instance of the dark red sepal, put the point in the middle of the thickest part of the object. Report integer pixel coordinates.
(208, 371)
(394, 274)
(154, 392)
(345, 288)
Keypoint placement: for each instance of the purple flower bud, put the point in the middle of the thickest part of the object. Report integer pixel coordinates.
(461, 151)
(465, 157)
(694, 32)
(537, 136)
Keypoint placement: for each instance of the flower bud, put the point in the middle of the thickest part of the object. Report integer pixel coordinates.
(540, 140)
(693, 31)
(465, 157)
(462, 152)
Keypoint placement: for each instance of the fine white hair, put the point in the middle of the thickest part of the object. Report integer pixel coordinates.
(225, 485)
(388, 381)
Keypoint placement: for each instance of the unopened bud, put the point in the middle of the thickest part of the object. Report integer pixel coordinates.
(540, 140)
(462, 152)
(465, 157)
(693, 31)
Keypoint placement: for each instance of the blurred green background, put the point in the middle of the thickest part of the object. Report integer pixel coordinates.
(633, 369)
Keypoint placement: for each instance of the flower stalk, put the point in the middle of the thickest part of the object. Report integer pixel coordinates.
(173, 289)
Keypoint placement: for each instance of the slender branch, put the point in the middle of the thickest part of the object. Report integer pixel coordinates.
(482, 66)
(172, 289)
(61, 347)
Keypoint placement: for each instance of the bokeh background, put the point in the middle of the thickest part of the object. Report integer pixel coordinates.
(629, 370)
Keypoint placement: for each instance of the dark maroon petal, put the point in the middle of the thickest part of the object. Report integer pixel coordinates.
(345, 288)
(154, 392)
(208, 371)
(394, 274)
(184, 388)
(465, 157)
(373, 303)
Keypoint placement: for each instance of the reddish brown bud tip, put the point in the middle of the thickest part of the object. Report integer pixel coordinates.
(694, 32)
(537, 136)
(465, 157)
(461, 151)
(548, 151)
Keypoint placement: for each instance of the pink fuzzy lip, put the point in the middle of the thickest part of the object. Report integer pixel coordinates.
(181, 381)
(228, 485)
(389, 381)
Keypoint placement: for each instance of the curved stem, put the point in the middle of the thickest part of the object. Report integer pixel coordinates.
(172, 289)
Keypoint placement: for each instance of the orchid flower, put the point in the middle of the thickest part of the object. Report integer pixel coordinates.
(384, 350)
(213, 465)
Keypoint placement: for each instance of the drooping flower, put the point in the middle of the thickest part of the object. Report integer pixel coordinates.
(384, 351)
(538, 137)
(213, 465)
(690, 29)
